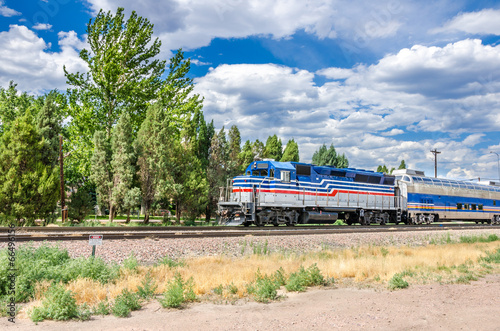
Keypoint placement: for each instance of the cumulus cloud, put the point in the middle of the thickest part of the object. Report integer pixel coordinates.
(6, 11)
(27, 59)
(362, 110)
(42, 26)
(486, 21)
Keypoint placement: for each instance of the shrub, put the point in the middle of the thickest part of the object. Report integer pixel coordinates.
(481, 239)
(264, 288)
(298, 281)
(102, 308)
(493, 257)
(131, 262)
(91, 267)
(125, 303)
(147, 288)
(397, 282)
(59, 304)
(178, 292)
(171, 263)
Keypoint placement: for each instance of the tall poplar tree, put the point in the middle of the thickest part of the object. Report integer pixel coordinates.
(291, 152)
(124, 76)
(274, 148)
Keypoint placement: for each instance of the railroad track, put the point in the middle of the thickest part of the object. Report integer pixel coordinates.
(177, 232)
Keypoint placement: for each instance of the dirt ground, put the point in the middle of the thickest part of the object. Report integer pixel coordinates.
(475, 306)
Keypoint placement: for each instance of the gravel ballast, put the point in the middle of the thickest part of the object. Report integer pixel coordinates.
(149, 251)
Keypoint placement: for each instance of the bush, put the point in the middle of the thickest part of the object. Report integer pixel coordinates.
(147, 288)
(397, 282)
(178, 292)
(102, 308)
(80, 204)
(298, 281)
(50, 263)
(125, 303)
(59, 304)
(265, 288)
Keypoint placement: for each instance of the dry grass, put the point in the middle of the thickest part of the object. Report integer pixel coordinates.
(365, 264)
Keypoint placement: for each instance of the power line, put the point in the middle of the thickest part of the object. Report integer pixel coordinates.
(435, 152)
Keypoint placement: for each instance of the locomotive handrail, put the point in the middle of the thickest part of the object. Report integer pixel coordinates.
(260, 184)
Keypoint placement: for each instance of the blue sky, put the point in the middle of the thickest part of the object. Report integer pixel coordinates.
(382, 80)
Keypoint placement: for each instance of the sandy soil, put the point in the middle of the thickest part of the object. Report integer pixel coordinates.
(424, 307)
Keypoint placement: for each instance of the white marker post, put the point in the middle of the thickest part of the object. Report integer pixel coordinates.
(94, 240)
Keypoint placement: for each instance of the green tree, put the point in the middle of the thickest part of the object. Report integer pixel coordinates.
(291, 152)
(274, 148)
(166, 142)
(329, 156)
(123, 162)
(124, 76)
(217, 172)
(102, 174)
(246, 155)
(13, 105)
(402, 165)
(29, 183)
(258, 149)
(234, 150)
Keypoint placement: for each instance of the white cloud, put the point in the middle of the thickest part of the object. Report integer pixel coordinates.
(42, 26)
(26, 59)
(486, 21)
(6, 11)
(433, 94)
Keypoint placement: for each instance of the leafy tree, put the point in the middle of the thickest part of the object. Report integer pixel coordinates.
(324, 156)
(13, 105)
(166, 143)
(123, 76)
(274, 148)
(29, 183)
(402, 165)
(246, 155)
(291, 152)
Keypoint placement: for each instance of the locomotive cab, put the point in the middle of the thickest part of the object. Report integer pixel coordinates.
(272, 170)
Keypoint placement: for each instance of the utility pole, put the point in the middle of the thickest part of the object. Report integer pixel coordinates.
(435, 152)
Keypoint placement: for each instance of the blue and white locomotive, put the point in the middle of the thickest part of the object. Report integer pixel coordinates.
(292, 193)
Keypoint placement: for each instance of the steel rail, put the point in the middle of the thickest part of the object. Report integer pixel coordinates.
(110, 233)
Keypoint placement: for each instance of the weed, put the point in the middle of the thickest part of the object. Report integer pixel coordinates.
(218, 290)
(384, 251)
(171, 263)
(397, 282)
(125, 303)
(476, 239)
(59, 304)
(147, 288)
(466, 279)
(232, 289)
(264, 289)
(493, 257)
(298, 281)
(131, 262)
(103, 308)
(178, 292)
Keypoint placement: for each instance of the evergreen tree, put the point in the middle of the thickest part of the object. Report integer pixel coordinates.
(402, 165)
(291, 152)
(274, 148)
(123, 162)
(29, 183)
(324, 156)
(218, 168)
(246, 155)
(234, 146)
(102, 174)
(258, 149)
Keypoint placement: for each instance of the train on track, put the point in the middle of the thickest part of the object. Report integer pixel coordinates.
(292, 193)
